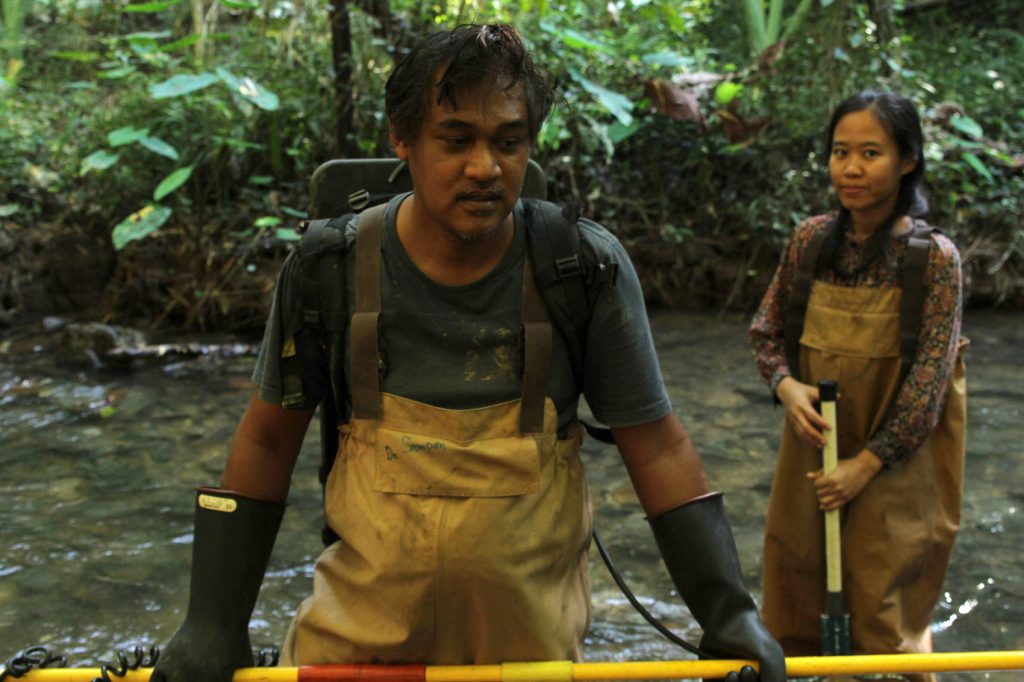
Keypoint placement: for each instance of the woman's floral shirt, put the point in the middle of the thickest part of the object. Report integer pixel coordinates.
(919, 402)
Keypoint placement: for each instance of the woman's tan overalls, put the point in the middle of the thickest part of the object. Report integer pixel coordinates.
(464, 533)
(897, 534)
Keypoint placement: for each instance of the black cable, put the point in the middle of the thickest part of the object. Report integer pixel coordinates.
(657, 624)
(27, 659)
(141, 659)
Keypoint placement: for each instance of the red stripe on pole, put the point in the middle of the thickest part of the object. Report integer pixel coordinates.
(356, 672)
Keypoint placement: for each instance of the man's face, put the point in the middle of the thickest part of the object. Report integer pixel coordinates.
(468, 164)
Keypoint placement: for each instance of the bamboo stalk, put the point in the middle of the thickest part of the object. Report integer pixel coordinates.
(564, 671)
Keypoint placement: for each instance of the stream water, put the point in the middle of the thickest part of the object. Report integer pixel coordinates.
(98, 471)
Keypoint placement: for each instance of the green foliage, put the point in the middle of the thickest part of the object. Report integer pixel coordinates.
(691, 128)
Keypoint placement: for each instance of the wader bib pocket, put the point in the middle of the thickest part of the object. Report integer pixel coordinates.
(417, 464)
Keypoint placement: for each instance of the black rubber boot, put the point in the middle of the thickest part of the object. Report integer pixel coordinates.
(697, 546)
(233, 539)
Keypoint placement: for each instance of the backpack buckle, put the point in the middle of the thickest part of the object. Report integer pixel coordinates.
(568, 267)
(358, 200)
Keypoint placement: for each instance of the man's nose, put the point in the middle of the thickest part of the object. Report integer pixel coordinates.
(482, 164)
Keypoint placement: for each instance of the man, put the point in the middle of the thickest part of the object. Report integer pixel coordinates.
(457, 492)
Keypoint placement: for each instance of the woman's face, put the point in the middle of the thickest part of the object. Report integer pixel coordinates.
(866, 169)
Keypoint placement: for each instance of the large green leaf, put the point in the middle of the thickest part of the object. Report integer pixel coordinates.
(726, 92)
(126, 135)
(147, 7)
(250, 89)
(978, 165)
(182, 84)
(617, 105)
(966, 125)
(158, 146)
(172, 182)
(76, 56)
(666, 58)
(240, 4)
(140, 224)
(578, 40)
(98, 160)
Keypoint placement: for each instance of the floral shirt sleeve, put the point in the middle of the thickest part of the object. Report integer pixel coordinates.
(917, 406)
(766, 330)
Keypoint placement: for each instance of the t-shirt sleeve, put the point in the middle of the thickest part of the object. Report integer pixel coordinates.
(284, 336)
(622, 380)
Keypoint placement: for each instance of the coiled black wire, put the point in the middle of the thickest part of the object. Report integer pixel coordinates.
(141, 658)
(27, 659)
(657, 624)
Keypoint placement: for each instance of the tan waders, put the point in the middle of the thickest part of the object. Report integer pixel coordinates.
(463, 533)
(897, 534)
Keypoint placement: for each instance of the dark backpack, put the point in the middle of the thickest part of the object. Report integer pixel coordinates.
(567, 276)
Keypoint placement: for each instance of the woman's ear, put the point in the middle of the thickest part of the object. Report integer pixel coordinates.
(907, 165)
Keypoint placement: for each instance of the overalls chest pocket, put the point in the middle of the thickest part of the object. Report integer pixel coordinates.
(419, 464)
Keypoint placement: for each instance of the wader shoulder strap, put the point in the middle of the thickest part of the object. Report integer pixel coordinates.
(912, 282)
(536, 354)
(365, 354)
(799, 295)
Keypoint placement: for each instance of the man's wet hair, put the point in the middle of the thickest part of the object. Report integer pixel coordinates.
(466, 57)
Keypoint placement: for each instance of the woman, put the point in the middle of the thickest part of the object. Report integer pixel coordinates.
(835, 305)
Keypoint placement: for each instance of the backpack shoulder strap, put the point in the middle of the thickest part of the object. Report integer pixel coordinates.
(567, 277)
(799, 295)
(912, 282)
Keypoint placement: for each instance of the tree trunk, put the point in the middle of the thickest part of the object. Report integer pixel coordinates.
(341, 55)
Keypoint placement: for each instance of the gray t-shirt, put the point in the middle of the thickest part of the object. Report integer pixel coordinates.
(458, 347)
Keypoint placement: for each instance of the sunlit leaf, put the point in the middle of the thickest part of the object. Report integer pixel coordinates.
(250, 89)
(76, 56)
(669, 59)
(191, 40)
(99, 160)
(978, 165)
(267, 221)
(618, 132)
(117, 73)
(126, 135)
(577, 40)
(617, 105)
(145, 7)
(138, 225)
(260, 180)
(182, 84)
(7, 210)
(726, 92)
(294, 212)
(240, 4)
(966, 125)
(172, 182)
(158, 146)
(288, 234)
(147, 36)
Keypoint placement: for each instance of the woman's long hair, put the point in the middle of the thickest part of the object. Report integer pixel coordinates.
(899, 118)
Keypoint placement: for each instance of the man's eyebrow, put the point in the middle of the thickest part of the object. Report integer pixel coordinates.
(459, 124)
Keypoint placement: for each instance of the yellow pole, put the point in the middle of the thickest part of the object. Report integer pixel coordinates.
(563, 671)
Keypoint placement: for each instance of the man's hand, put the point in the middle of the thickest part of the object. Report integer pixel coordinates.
(846, 480)
(745, 636)
(799, 400)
